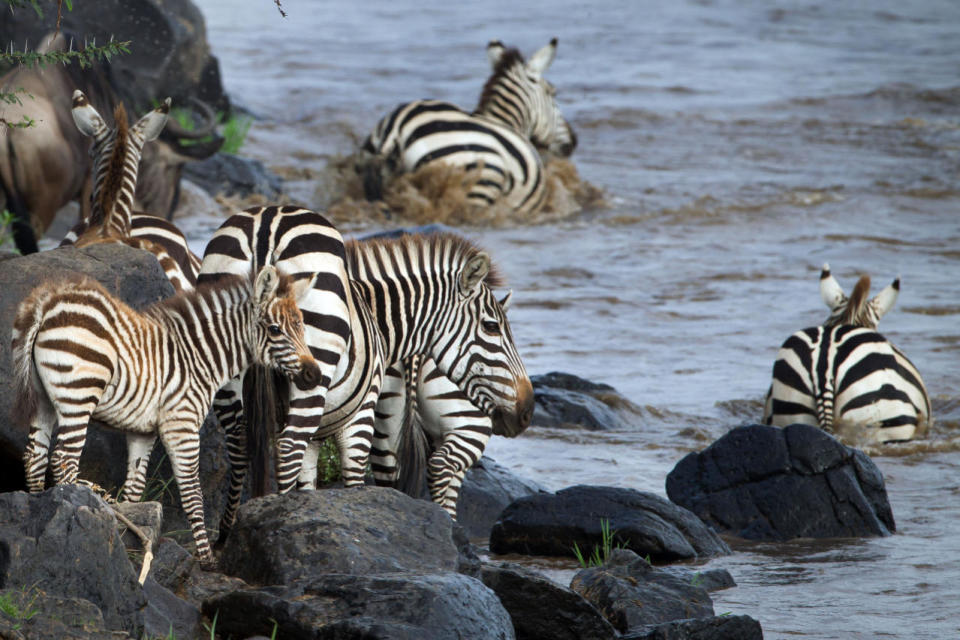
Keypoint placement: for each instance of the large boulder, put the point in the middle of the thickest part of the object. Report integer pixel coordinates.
(230, 175)
(766, 483)
(564, 400)
(30, 613)
(169, 53)
(363, 530)
(551, 524)
(64, 542)
(487, 490)
(391, 606)
(715, 628)
(631, 593)
(542, 609)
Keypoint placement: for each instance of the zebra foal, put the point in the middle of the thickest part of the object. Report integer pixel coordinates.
(79, 353)
(844, 375)
(517, 117)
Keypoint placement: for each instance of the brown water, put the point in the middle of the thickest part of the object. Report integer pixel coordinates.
(738, 148)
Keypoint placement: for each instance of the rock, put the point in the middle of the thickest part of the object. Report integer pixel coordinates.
(146, 516)
(765, 483)
(542, 609)
(338, 606)
(708, 579)
(64, 542)
(176, 569)
(631, 593)
(169, 53)
(565, 401)
(166, 613)
(132, 274)
(551, 524)
(32, 613)
(487, 490)
(364, 530)
(715, 628)
(230, 175)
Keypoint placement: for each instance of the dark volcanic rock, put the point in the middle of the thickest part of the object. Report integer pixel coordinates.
(227, 174)
(542, 609)
(363, 530)
(366, 607)
(631, 593)
(550, 524)
(64, 542)
(766, 483)
(35, 614)
(564, 400)
(709, 579)
(487, 490)
(166, 612)
(715, 628)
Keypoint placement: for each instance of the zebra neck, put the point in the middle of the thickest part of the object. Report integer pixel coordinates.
(113, 191)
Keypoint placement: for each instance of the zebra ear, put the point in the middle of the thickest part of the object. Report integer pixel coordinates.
(88, 121)
(150, 125)
(300, 288)
(505, 303)
(830, 290)
(495, 51)
(266, 285)
(541, 60)
(474, 272)
(884, 301)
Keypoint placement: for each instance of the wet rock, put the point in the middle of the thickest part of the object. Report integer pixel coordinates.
(230, 175)
(177, 570)
(32, 613)
(551, 524)
(368, 607)
(708, 579)
(766, 483)
(64, 542)
(631, 593)
(363, 530)
(541, 609)
(715, 628)
(487, 490)
(170, 55)
(166, 613)
(564, 400)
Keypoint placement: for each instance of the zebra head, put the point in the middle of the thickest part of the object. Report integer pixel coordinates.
(856, 310)
(278, 331)
(476, 348)
(518, 95)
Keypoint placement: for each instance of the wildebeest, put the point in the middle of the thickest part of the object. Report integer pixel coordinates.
(45, 166)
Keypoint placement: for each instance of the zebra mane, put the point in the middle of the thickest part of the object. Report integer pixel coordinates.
(414, 244)
(855, 311)
(113, 172)
(510, 58)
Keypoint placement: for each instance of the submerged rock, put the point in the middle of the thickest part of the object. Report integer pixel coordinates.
(551, 524)
(230, 175)
(567, 401)
(767, 483)
(632, 594)
(487, 490)
(715, 628)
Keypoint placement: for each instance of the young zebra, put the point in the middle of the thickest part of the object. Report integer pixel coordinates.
(79, 353)
(844, 374)
(517, 115)
(116, 159)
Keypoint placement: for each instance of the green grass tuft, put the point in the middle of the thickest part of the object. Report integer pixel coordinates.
(600, 553)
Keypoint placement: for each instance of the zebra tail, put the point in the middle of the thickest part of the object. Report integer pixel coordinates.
(413, 447)
(825, 412)
(260, 396)
(26, 382)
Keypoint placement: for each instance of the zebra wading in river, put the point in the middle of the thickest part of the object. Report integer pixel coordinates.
(80, 353)
(116, 159)
(844, 374)
(517, 116)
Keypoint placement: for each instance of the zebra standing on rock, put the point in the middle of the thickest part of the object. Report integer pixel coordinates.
(80, 353)
(516, 117)
(844, 373)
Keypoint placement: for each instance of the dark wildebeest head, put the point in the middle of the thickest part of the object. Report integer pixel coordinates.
(45, 166)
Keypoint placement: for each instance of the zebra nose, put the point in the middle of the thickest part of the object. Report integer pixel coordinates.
(308, 376)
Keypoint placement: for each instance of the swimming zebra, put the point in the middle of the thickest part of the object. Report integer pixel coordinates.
(517, 115)
(844, 373)
(116, 158)
(80, 353)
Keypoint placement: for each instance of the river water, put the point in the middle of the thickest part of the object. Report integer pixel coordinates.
(739, 147)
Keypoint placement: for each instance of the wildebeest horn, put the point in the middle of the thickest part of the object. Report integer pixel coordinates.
(174, 133)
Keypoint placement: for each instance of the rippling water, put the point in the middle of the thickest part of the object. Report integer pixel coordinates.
(739, 147)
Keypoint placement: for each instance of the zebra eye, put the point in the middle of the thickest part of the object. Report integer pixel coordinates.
(274, 329)
(491, 326)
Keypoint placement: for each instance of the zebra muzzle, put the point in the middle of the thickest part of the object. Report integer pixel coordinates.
(308, 376)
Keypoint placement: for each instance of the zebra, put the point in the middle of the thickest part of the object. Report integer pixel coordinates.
(843, 373)
(80, 353)
(517, 116)
(116, 157)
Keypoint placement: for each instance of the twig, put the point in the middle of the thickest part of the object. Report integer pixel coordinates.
(144, 540)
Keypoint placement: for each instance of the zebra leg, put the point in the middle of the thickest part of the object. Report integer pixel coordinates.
(388, 415)
(303, 420)
(139, 448)
(228, 407)
(354, 442)
(35, 459)
(181, 439)
(307, 480)
(448, 465)
(71, 439)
